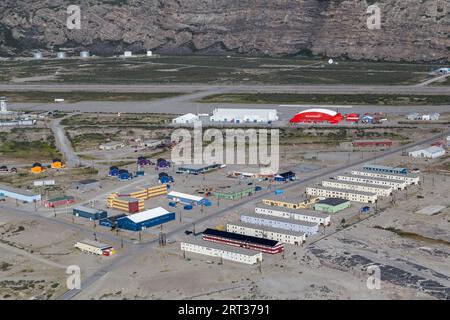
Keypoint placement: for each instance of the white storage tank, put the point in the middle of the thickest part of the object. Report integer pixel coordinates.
(128, 54)
(37, 55)
(149, 53)
(61, 55)
(84, 54)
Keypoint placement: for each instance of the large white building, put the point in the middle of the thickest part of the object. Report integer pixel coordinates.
(395, 184)
(280, 235)
(429, 153)
(409, 178)
(244, 115)
(382, 191)
(223, 251)
(302, 215)
(308, 228)
(186, 118)
(351, 195)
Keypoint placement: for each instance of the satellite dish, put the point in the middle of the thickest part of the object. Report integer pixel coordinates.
(331, 61)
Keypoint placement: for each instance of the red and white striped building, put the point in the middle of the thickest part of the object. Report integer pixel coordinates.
(243, 241)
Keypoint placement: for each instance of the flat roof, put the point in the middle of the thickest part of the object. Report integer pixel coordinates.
(409, 175)
(370, 194)
(353, 183)
(219, 246)
(18, 191)
(265, 228)
(185, 196)
(88, 209)
(125, 198)
(280, 219)
(95, 244)
(309, 213)
(371, 178)
(240, 237)
(148, 214)
(383, 167)
(114, 218)
(333, 201)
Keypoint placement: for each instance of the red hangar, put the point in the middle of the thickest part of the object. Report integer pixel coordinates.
(317, 116)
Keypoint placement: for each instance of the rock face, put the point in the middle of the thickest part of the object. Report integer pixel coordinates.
(412, 30)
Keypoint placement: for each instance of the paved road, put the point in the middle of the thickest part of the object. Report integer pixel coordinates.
(329, 89)
(63, 143)
(138, 249)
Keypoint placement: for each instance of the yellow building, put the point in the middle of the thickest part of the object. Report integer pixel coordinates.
(37, 168)
(146, 192)
(126, 204)
(57, 164)
(290, 204)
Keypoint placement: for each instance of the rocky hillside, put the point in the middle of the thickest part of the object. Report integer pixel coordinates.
(414, 30)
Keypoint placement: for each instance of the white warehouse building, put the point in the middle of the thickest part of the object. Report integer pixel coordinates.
(308, 228)
(186, 118)
(432, 152)
(409, 178)
(302, 215)
(381, 191)
(351, 195)
(244, 115)
(395, 184)
(222, 251)
(280, 235)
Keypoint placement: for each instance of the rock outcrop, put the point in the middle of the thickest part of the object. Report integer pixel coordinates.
(411, 30)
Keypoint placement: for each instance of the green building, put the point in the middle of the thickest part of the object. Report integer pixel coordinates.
(332, 205)
(234, 193)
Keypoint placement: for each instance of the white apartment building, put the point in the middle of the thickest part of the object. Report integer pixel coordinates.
(280, 235)
(351, 195)
(223, 251)
(381, 191)
(395, 184)
(302, 215)
(309, 228)
(409, 178)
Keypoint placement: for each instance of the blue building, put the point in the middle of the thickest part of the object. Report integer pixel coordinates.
(89, 213)
(111, 222)
(188, 199)
(198, 169)
(384, 169)
(145, 219)
(285, 176)
(18, 194)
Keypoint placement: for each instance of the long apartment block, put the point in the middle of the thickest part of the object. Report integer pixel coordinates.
(302, 215)
(409, 178)
(351, 195)
(381, 191)
(395, 184)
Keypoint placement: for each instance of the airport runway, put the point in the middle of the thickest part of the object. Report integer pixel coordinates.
(325, 89)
